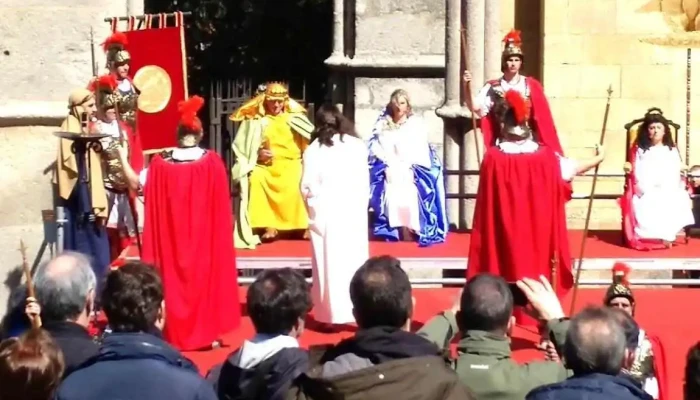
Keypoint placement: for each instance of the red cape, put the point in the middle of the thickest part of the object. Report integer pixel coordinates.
(188, 236)
(136, 159)
(520, 221)
(541, 120)
(659, 365)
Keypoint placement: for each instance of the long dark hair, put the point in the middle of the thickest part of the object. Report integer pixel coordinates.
(330, 121)
(643, 140)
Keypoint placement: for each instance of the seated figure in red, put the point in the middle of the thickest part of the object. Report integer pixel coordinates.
(519, 228)
(656, 204)
(649, 366)
(187, 236)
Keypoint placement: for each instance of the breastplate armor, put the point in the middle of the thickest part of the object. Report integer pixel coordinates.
(127, 103)
(643, 365)
(499, 93)
(113, 174)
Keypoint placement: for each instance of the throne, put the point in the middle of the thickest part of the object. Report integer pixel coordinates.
(628, 221)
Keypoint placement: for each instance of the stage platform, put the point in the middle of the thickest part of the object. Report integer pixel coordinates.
(425, 264)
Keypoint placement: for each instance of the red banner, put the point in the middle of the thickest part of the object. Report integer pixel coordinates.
(158, 67)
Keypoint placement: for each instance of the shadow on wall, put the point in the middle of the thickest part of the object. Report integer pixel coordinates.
(14, 317)
(529, 19)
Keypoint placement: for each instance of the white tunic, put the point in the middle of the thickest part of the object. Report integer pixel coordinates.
(335, 186)
(661, 205)
(484, 99)
(400, 147)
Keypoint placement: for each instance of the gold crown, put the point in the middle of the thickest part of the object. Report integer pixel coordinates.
(276, 91)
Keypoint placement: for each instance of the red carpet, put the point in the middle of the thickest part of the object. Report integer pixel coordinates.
(600, 244)
(664, 312)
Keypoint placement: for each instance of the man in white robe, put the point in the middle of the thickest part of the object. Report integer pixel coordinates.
(335, 187)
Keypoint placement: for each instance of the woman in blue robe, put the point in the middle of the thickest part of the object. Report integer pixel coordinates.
(406, 179)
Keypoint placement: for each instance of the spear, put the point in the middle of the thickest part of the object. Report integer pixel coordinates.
(468, 94)
(92, 52)
(590, 204)
(36, 321)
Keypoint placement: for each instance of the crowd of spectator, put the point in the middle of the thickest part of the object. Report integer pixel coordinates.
(384, 359)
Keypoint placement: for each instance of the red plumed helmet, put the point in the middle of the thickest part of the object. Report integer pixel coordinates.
(621, 272)
(188, 113)
(513, 37)
(116, 39)
(106, 83)
(517, 103)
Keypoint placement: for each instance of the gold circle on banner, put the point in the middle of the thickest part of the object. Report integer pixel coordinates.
(155, 86)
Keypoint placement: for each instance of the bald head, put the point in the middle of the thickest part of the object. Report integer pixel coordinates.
(595, 343)
(65, 287)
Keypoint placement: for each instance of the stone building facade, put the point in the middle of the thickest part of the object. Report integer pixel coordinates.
(576, 48)
(45, 53)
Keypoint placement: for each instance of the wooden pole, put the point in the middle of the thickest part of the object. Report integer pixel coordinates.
(468, 95)
(590, 206)
(36, 321)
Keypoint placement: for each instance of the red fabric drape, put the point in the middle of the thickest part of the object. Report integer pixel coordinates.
(162, 47)
(541, 120)
(519, 221)
(188, 236)
(659, 365)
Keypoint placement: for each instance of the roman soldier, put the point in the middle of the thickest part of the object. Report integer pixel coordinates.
(519, 229)
(538, 114)
(187, 236)
(118, 64)
(649, 367)
(122, 219)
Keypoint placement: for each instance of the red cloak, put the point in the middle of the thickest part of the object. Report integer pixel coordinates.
(541, 120)
(520, 221)
(188, 236)
(659, 365)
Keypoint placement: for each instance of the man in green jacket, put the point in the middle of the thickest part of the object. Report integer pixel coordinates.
(484, 317)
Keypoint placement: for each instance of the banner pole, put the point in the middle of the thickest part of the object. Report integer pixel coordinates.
(143, 17)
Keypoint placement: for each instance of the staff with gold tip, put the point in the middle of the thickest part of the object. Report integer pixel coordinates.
(590, 204)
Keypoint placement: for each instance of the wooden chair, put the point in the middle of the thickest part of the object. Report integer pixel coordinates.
(632, 129)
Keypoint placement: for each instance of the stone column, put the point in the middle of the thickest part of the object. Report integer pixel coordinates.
(453, 63)
(474, 16)
(338, 29)
(453, 52)
(492, 39)
(336, 79)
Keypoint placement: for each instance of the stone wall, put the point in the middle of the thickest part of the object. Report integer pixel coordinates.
(387, 32)
(590, 45)
(45, 53)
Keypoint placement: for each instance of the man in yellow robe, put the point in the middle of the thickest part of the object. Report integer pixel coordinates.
(273, 134)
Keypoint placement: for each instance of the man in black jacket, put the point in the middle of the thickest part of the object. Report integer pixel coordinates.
(134, 362)
(384, 360)
(65, 289)
(264, 366)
